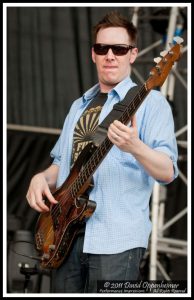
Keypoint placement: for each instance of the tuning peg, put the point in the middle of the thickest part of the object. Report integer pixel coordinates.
(178, 39)
(163, 53)
(157, 59)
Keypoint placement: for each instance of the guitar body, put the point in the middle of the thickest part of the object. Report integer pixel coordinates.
(56, 230)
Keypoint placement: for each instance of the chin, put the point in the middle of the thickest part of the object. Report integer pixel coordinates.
(111, 81)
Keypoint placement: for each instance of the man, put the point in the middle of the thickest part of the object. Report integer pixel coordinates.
(117, 233)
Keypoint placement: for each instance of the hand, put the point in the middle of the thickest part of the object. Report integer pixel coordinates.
(124, 137)
(37, 190)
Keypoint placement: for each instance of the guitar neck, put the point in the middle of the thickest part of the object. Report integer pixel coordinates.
(102, 150)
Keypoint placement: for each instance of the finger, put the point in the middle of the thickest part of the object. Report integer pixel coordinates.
(34, 204)
(28, 197)
(120, 126)
(50, 196)
(39, 202)
(120, 130)
(112, 136)
(40, 209)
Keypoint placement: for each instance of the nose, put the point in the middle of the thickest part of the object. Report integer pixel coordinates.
(110, 55)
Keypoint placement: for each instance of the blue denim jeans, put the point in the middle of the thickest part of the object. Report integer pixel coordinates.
(81, 271)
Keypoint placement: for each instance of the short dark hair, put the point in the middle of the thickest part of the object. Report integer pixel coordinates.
(115, 19)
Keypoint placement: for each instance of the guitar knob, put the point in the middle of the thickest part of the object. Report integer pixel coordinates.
(45, 256)
(52, 247)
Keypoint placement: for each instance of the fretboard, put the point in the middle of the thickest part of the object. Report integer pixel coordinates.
(101, 151)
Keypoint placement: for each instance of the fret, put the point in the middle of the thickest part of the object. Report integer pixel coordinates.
(73, 191)
(90, 168)
(101, 151)
(82, 180)
(133, 105)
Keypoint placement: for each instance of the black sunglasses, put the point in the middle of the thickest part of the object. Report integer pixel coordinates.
(102, 49)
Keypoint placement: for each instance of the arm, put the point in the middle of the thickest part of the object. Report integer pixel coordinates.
(40, 186)
(157, 164)
(43, 183)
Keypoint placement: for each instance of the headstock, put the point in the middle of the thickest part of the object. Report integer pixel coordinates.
(159, 73)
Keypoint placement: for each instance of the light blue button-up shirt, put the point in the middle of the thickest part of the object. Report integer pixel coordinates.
(122, 188)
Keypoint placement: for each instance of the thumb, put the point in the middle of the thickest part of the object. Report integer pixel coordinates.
(134, 121)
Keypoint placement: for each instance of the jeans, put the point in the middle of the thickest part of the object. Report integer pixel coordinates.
(81, 271)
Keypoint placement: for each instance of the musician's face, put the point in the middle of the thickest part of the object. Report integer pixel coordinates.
(112, 68)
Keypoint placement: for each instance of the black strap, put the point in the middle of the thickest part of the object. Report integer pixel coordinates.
(98, 100)
(115, 114)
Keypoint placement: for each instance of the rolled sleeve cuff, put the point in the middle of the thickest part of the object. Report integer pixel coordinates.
(56, 161)
(174, 161)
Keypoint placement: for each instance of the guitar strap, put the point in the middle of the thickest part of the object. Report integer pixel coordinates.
(115, 114)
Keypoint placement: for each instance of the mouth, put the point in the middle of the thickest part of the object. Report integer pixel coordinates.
(110, 67)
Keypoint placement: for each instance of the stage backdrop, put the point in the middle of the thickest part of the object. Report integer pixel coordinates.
(49, 66)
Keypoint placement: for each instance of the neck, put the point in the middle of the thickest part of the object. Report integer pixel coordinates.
(104, 88)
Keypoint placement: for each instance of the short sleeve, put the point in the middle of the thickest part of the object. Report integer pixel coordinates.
(58, 149)
(56, 152)
(158, 128)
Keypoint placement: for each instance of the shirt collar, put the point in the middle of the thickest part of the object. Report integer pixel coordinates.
(91, 93)
(120, 89)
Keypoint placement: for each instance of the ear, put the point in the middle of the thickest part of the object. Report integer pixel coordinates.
(133, 56)
(93, 56)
